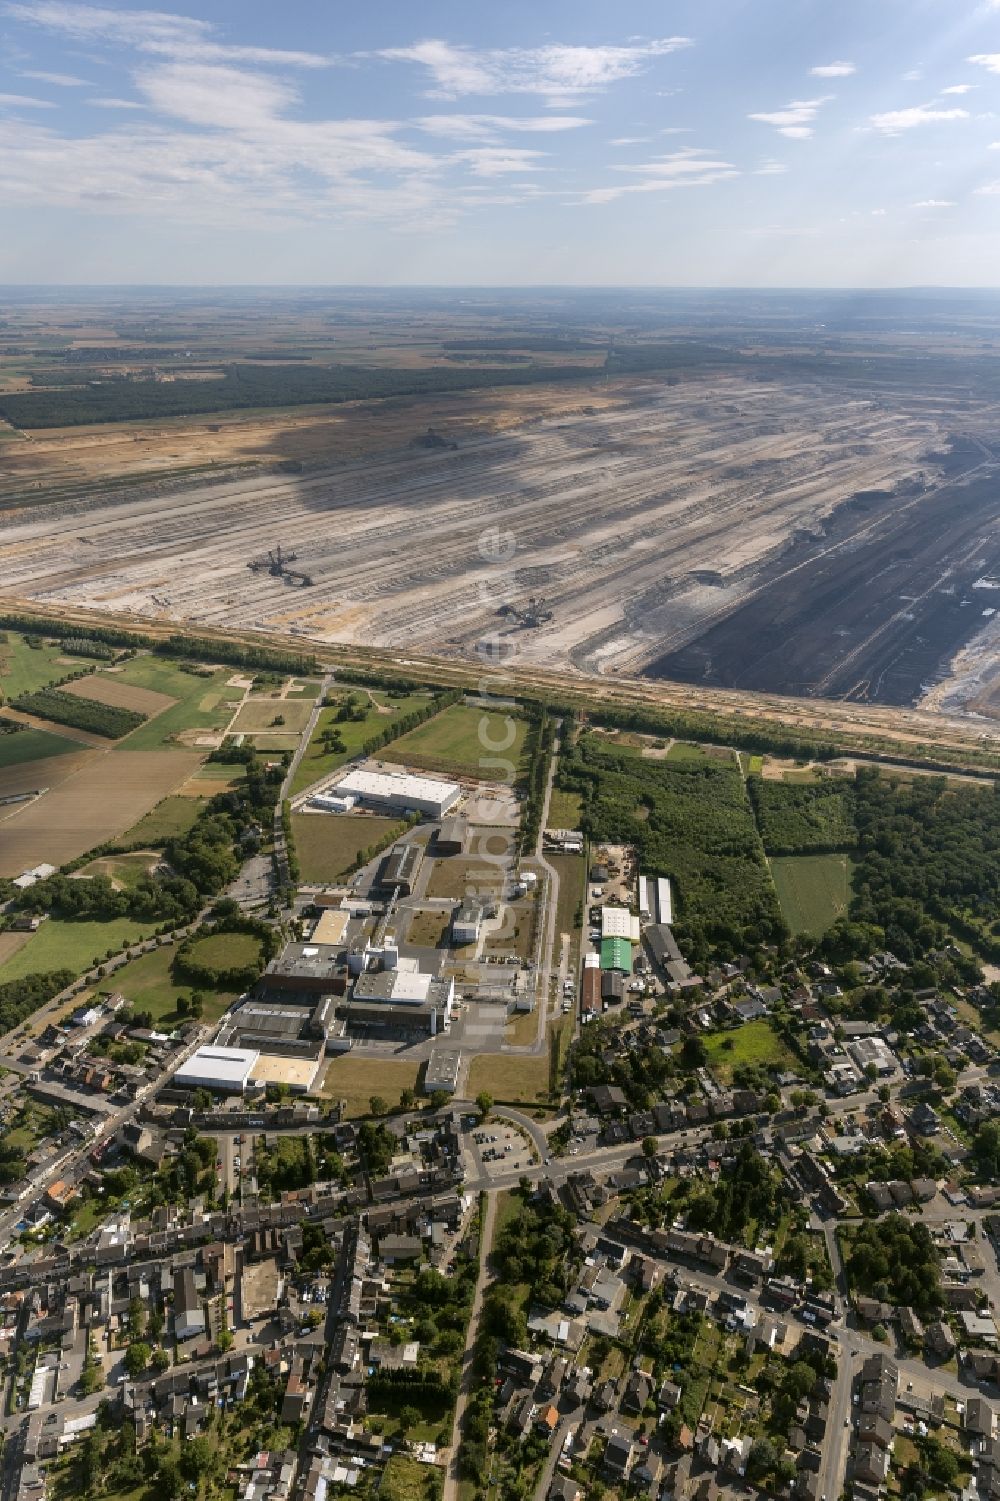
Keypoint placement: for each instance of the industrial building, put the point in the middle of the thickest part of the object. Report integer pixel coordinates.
(332, 802)
(304, 971)
(616, 953)
(466, 924)
(225, 1070)
(664, 951)
(656, 903)
(404, 997)
(331, 928)
(618, 922)
(383, 789)
(400, 869)
(292, 1041)
(442, 1070)
(452, 837)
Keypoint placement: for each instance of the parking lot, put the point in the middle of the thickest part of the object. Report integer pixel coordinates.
(501, 1148)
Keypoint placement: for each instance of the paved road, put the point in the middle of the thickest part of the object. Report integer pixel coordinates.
(451, 1478)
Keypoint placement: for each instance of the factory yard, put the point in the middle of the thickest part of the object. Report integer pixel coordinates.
(685, 529)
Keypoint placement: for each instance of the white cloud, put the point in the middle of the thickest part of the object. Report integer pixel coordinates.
(113, 103)
(60, 80)
(560, 74)
(795, 120)
(988, 60)
(959, 88)
(770, 168)
(680, 169)
(498, 161)
(913, 76)
(989, 190)
(629, 140)
(677, 130)
(24, 101)
(150, 31)
(894, 121)
(833, 70)
(229, 98)
(489, 127)
(933, 203)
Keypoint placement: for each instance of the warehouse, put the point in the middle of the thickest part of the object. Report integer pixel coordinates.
(382, 789)
(226, 1070)
(400, 869)
(616, 953)
(331, 802)
(618, 922)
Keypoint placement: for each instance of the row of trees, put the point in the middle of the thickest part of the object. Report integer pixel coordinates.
(109, 720)
(235, 653)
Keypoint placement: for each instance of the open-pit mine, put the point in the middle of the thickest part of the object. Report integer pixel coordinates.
(793, 536)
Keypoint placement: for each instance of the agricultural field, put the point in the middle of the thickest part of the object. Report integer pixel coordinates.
(150, 986)
(380, 709)
(72, 945)
(106, 797)
(27, 746)
(754, 1043)
(465, 741)
(328, 844)
(813, 890)
(203, 707)
(103, 688)
(357, 1079)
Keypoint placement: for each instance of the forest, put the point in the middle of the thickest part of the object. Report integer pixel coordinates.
(894, 1260)
(928, 853)
(812, 818)
(691, 821)
(256, 386)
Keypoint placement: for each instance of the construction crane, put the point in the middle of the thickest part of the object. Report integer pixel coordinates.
(534, 615)
(275, 562)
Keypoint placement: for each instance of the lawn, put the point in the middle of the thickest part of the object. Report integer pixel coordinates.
(510, 1079)
(328, 844)
(753, 1043)
(203, 702)
(24, 668)
(380, 710)
(125, 870)
(72, 945)
(147, 983)
(33, 745)
(459, 876)
(357, 1079)
(813, 890)
(429, 929)
(572, 873)
(171, 817)
(564, 809)
(261, 714)
(464, 741)
(684, 750)
(223, 951)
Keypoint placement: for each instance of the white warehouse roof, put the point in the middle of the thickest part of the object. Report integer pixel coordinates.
(618, 922)
(217, 1068)
(398, 788)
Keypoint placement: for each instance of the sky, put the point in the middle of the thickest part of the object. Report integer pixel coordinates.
(573, 142)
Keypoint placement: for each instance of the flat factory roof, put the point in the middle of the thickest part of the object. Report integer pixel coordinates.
(223, 1065)
(331, 927)
(297, 1073)
(385, 784)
